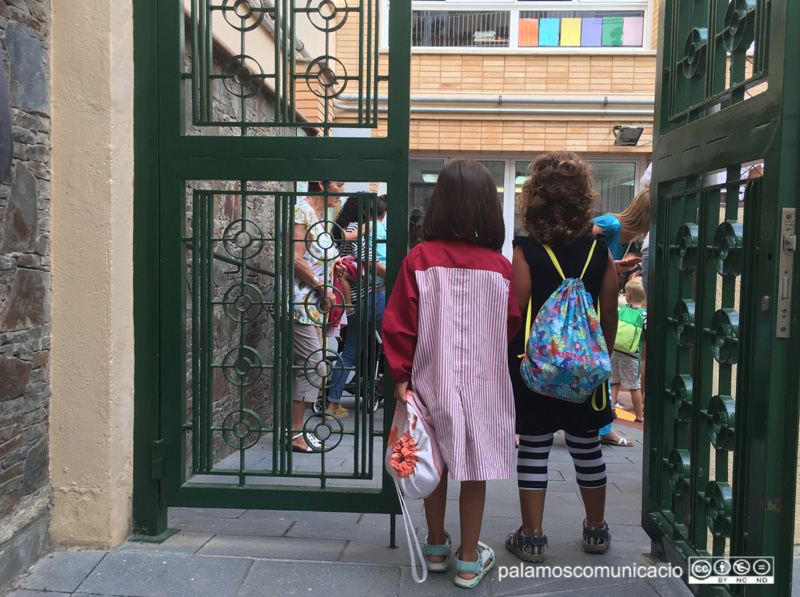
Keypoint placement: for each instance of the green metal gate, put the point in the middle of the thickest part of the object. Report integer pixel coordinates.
(722, 430)
(238, 107)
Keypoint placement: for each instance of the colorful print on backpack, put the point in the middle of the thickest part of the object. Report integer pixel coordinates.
(566, 356)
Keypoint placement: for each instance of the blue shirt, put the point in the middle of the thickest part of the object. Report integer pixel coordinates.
(380, 249)
(611, 230)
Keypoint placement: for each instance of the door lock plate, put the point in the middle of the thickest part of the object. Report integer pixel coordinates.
(786, 267)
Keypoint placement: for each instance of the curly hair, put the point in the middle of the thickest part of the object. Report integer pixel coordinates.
(558, 200)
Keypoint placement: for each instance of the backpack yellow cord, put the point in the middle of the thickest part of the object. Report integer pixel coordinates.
(563, 277)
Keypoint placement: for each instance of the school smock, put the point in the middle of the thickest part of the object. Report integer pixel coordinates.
(538, 414)
(446, 329)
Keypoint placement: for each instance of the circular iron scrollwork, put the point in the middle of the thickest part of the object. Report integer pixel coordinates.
(242, 366)
(719, 505)
(694, 53)
(323, 14)
(327, 428)
(239, 78)
(686, 245)
(238, 12)
(241, 429)
(322, 306)
(725, 336)
(681, 393)
(320, 242)
(243, 303)
(679, 467)
(721, 420)
(323, 363)
(243, 239)
(739, 30)
(683, 323)
(728, 253)
(323, 70)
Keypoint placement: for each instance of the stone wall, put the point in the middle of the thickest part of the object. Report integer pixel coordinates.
(25, 495)
(227, 209)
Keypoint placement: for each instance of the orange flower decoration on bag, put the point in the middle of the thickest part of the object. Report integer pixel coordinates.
(404, 456)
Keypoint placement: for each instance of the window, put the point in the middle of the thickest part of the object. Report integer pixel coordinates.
(616, 179)
(589, 24)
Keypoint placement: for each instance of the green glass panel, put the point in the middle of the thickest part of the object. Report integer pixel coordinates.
(612, 31)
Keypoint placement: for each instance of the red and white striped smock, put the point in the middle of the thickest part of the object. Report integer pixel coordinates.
(446, 328)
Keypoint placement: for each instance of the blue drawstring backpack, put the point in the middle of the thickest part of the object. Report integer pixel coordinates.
(566, 356)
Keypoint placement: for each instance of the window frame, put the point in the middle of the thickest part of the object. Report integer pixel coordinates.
(515, 7)
(639, 160)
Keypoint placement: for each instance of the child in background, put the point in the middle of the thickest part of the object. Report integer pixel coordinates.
(447, 324)
(625, 366)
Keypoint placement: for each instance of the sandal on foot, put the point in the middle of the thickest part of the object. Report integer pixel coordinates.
(621, 442)
(529, 548)
(484, 563)
(312, 444)
(596, 539)
(437, 550)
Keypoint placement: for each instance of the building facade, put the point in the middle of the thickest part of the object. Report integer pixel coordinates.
(505, 80)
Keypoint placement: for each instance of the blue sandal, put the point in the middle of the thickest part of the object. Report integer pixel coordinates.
(484, 563)
(437, 550)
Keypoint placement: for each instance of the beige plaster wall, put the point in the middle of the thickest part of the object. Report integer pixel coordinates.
(92, 223)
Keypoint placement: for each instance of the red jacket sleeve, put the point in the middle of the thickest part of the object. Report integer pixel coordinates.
(400, 323)
(514, 317)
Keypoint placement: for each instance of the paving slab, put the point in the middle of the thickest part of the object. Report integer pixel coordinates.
(140, 574)
(62, 571)
(288, 548)
(35, 593)
(293, 578)
(180, 542)
(265, 527)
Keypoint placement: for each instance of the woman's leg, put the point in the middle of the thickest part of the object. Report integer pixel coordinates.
(307, 355)
(470, 505)
(435, 505)
(534, 451)
(590, 470)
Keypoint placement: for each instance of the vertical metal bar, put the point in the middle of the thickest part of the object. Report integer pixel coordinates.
(149, 512)
(196, 248)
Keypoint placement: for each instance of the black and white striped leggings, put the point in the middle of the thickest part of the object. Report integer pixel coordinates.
(534, 450)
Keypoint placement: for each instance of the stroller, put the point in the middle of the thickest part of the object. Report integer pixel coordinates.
(376, 401)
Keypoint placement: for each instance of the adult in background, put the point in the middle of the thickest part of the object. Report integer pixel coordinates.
(355, 227)
(315, 256)
(621, 231)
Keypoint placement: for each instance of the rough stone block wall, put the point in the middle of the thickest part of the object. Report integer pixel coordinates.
(227, 209)
(25, 494)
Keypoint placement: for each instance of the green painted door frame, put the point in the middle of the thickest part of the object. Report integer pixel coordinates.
(722, 418)
(166, 158)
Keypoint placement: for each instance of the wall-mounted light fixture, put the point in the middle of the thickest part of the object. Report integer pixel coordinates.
(430, 177)
(627, 135)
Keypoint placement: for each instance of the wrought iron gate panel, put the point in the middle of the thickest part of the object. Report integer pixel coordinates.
(234, 117)
(721, 439)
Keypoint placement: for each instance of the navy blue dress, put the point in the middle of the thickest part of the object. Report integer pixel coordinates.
(538, 414)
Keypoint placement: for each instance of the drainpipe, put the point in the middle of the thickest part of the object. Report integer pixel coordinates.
(512, 112)
(500, 100)
(269, 25)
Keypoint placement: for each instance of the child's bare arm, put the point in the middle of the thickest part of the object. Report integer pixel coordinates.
(609, 315)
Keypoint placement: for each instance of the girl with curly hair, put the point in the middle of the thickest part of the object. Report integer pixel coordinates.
(556, 208)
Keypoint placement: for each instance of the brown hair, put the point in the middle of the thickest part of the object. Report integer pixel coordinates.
(464, 206)
(636, 219)
(558, 199)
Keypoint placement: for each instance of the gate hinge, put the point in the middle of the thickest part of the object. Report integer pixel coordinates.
(158, 456)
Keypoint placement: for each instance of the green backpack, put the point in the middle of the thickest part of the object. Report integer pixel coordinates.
(629, 330)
